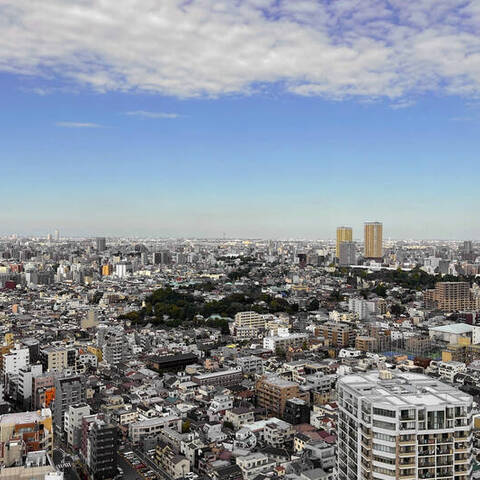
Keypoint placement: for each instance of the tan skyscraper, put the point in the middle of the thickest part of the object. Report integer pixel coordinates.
(373, 240)
(344, 234)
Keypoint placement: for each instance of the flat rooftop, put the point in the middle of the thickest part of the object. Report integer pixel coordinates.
(404, 390)
(279, 381)
(24, 417)
(455, 328)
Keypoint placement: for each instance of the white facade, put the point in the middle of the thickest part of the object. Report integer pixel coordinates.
(152, 427)
(25, 380)
(448, 370)
(73, 422)
(284, 341)
(16, 359)
(220, 404)
(254, 464)
(402, 426)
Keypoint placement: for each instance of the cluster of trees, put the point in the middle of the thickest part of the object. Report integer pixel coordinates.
(97, 296)
(415, 279)
(173, 308)
(238, 274)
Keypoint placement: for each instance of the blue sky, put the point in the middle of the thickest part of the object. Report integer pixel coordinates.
(336, 122)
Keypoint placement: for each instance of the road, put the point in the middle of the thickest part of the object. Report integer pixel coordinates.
(129, 472)
(151, 464)
(64, 462)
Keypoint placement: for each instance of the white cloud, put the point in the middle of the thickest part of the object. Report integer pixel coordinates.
(402, 103)
(78, 125)
(365, 48)
(145, 114)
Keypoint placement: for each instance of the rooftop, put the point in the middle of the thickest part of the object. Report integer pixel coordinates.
(404, 390)
(455, 328)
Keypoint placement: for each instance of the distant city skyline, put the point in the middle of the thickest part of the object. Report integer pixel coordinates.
(94, 235)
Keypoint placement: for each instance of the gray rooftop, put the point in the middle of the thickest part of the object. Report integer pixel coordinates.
(404, 390)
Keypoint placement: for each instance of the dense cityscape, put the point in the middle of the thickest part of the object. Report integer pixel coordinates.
(239, 240)
(239, 359)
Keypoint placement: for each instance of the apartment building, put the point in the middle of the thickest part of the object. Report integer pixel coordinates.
(450, 297)
(347, 255)
(113, 344)
(14, 360)
(250, 320)
(402, 425)
(250, 364)
(151, 427)
(102, 445)
(54, 359)
(175, 465)
(43, 391)
(365, 343)
(296, 411)
(373, 238)
(73, 424)
(344, 234)
(272, 393)
(285, 341)
(278, 434)
(25, 383)
(254, 464)
(446, 370)
(222, 378)
(338, 335)
(240, 416)
(25, 432)
(69, 390)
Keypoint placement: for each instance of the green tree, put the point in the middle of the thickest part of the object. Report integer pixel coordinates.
(186, 424)
(313, 305)
(229, 425)
(280, 352)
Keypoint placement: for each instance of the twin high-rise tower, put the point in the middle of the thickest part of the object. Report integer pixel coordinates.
(344, 234)
(373, 238)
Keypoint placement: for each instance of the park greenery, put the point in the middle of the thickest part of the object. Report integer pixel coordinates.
(415, 279)
(173, 308)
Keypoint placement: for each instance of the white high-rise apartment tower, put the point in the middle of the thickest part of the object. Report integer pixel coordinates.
(402, 426)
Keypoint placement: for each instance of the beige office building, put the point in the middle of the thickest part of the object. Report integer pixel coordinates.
(373, 240)
(344, 234)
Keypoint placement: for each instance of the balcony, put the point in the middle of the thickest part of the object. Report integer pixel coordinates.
(407, 476)
(445, 474)
(427, 474)
(444, 451)
(410, 453)
(425, 453)
(426, 441)
(412, 441)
